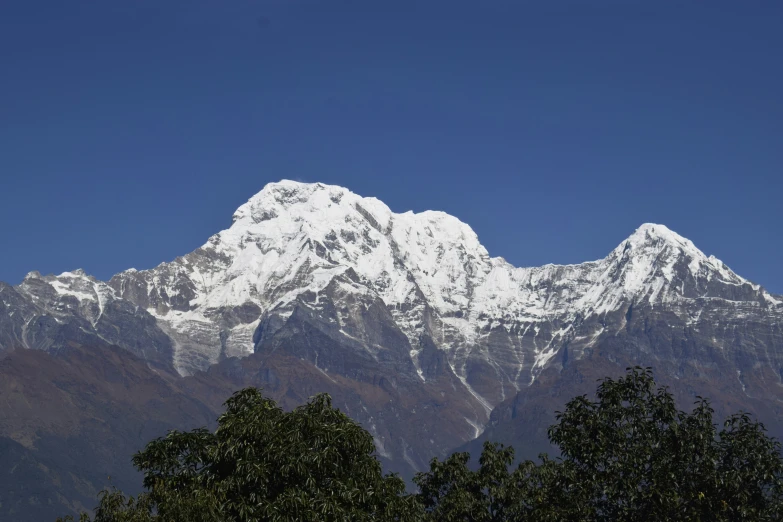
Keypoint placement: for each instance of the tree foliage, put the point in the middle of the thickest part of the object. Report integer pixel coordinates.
(632, 455)
(628, 455)
(262, 463)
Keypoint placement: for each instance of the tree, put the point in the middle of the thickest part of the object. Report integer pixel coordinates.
(629, 455)
(450, 491)
(262, 463)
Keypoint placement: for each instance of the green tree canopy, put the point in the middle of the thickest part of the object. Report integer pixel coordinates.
(262, 463)
(628, 455)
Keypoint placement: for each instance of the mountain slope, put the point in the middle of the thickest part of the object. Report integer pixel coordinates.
(73, 418)
(495, 322)
(408, 322)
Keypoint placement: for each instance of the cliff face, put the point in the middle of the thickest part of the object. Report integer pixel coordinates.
(730, 358)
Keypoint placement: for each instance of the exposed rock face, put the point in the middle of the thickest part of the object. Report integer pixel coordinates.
(410, 324)
(732, 360)
(49, 313)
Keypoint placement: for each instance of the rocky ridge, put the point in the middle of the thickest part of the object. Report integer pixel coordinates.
(361, 294)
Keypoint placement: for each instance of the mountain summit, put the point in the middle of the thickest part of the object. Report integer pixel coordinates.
(437, 282)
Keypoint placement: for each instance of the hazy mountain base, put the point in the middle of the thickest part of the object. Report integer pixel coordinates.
(629, 455)
(72, 419)
(76, 417)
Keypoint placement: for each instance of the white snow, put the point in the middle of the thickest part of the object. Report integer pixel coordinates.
(64, 289)
(478, 427)
(429, 268)
(276, 236)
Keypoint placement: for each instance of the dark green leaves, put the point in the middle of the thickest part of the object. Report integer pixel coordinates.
(628, 455)
(264, 464)
(633, 456)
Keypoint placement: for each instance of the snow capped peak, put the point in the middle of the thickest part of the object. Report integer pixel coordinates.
(353, 231)
(292, 200)
(78, 273)
(329, 229)
(656, 248)
(298, 236)
(656, 229)
(659, 265)
(70, 278)
(68, 293)
(293, 239)
(651, 235)
(280, 196)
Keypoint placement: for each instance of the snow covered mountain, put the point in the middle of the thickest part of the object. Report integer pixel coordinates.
(405, 319)
(430, 271)
(497, 325)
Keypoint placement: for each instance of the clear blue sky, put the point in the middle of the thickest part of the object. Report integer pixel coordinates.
(131, 130)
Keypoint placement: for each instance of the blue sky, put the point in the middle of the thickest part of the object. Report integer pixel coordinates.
(130, 131)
